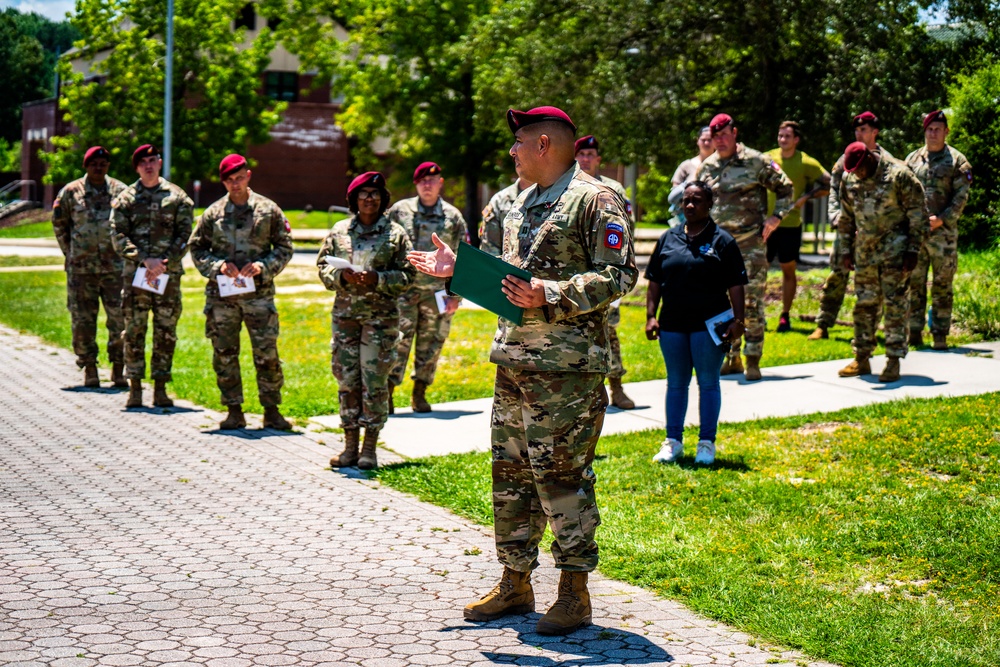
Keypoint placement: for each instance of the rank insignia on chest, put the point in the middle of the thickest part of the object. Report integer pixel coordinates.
(613, 235)
(154, 206)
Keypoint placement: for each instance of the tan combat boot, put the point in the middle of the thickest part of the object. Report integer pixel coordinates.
(618, 397)
(273, 419)
(821, 333)
(118, 376)
(134, 394)
(859, 366)
(733, 363)
(90, 377)
(234, 419)
(348, 457)
(571, 610)
(513, 595)
(916, 339)
(369, 459)
(418, 401)
(891, 371)
(940, 341)
(160, 398)
(752, 372)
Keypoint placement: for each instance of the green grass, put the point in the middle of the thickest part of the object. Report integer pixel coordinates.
(870, 539)
(15, 260)
(301, 220)
(29, 231)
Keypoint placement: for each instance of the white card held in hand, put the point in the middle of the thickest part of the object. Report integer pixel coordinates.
(442, 300)
(340, 263)
(232, 286)
(158, 284)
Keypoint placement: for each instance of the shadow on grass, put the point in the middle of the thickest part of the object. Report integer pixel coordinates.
(734, 464)
(591, 645)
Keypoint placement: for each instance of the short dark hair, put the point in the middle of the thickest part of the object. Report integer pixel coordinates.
(705, 188)
(793, 126)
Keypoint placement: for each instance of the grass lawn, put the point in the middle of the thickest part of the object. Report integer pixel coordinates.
(868, 537)
(31, 230)
(302, 220)
(15, 260)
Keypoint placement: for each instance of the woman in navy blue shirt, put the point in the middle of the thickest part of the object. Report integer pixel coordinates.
(695, 273)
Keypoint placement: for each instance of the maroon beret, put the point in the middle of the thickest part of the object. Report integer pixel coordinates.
(518, 119)
(866, 118)
(720, 122)
(585, 142)
(95, 152)
(231, 164)
(854, 156)
(426, 169)
(144, 151)
(369, 179)
(936, 116)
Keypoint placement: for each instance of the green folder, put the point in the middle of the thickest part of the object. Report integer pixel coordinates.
(477, 278)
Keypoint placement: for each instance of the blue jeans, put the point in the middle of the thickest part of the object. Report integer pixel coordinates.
(682, 352)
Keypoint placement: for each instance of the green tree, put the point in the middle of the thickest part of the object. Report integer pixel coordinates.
(217, 108)
(23, 72)
(406, 71)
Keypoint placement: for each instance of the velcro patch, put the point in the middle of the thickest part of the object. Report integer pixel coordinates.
(288, 226)
(613, 235)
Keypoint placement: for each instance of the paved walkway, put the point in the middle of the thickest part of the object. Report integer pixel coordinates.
(148, 538)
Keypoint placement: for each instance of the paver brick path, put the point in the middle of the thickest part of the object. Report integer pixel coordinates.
(145, 538)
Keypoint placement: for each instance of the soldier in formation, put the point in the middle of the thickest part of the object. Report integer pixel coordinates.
(81, 218)
(882, 227)
(422, 323)
(740, 178)
(544, 442)
(491, 228)
(946, 176)
(588, 156)
(365, 317)
(243, 236)
(151, 223)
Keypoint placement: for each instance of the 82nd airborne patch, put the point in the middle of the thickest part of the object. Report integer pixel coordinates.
(613, 235)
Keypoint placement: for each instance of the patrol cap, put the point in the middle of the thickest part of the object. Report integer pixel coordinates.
(585, 142)
(518, 119)
(144, 151)
(231, 164)
(854, 156)
(94, 153)
(867, 118)
(936, 116)
(369, 179)
(720, 122)
(426, 169)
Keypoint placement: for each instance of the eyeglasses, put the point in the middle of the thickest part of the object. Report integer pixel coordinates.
(369, 194)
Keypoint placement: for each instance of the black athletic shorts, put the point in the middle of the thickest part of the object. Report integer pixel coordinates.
(784, 244)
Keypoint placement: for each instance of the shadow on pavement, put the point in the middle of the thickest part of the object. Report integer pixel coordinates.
(592, 645)
(250, 433)
(436, 414)
(739, 379)
(903, 381)
(96, 390)
(613, 410)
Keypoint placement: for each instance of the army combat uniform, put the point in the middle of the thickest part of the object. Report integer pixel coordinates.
(616, 369)
(81, 218)
(151, 222)
(740, 184)
(365, 320)
(549, 399)
(882, 218)
(835, 287)
(946, 177)
(491, 229)
(255, 233)
(419, 316)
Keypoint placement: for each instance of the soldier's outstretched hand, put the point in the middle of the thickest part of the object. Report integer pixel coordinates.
(439, 263)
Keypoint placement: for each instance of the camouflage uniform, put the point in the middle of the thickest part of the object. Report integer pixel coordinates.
(549, 399)
(257, 232)
(419, 316)
(365, 321)
(491, 228)
(946, 177)
(617, 368)
(81, 220)
(835, 287)
(881, 218)
(151, 222)
(740, 184)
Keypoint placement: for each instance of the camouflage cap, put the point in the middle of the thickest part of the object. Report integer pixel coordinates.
(518, 119)
(142, 152)
(936, 116)
(585, 142)
(94, 153)
(426, 169)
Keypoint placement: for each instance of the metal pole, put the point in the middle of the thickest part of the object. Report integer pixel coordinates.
(168, 92)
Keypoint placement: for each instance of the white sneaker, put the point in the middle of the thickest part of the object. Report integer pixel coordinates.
(706, 453)
(670, 451)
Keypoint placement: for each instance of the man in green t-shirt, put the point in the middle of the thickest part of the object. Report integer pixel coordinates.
(810, 180)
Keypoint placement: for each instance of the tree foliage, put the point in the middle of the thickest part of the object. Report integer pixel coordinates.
(217, 107)
(23, 70)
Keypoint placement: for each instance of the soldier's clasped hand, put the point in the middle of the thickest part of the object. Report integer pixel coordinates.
(250, 270)
(524, 293)
(231, 270)
(154, 267)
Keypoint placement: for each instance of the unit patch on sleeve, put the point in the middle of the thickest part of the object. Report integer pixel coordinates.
(613, 235)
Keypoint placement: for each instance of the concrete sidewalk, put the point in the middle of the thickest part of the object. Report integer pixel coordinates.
(147, 537)
(464, 426)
